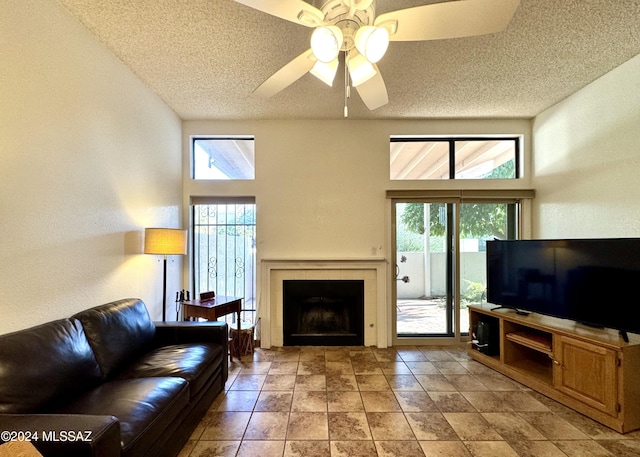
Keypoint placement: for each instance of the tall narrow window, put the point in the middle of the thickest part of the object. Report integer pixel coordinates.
(224, 240)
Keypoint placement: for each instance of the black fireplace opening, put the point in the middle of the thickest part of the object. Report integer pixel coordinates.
(319, 312)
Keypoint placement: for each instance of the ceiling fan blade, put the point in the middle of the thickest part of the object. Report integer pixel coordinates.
(454, 19)
(287, 75)
(297, 11)
(373, 92)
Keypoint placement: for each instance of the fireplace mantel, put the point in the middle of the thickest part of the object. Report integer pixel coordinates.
(372, 269)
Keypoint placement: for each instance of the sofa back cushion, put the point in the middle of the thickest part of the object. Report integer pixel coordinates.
(44, 367)
(118, 332)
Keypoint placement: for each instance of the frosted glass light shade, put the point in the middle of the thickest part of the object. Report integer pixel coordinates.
(372, 42)
(325, 72)
(326, 43)
(360, 69)
(165, 241)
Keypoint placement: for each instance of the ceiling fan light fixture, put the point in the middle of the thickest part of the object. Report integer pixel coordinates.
(326, 43)
(372, 42)
(325, 72)
(360, 69)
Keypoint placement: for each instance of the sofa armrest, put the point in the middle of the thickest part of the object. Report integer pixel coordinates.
(68, 435)
(194, 332)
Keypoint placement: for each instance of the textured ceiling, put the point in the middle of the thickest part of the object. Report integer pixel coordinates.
(205, 58)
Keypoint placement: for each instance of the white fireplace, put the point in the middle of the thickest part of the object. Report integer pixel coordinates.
(373, 271)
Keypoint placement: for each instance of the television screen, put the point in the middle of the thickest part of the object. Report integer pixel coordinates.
(592, 281)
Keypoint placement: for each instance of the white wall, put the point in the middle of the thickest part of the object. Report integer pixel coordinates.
(89, 157)
(587, 160)
(320, 185)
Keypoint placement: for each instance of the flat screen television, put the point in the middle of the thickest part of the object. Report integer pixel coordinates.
(592, 281)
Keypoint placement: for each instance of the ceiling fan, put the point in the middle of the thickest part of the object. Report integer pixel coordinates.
(351, 27)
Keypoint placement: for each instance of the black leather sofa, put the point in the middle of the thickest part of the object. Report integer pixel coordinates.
(110, 382)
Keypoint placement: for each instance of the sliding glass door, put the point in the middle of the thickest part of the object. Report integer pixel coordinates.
(440, 263)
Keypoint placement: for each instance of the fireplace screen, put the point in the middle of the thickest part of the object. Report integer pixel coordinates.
(323, 312)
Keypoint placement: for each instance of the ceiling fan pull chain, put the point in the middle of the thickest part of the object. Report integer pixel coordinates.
(347, 87)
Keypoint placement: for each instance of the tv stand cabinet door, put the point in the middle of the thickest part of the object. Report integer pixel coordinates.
(587, 372)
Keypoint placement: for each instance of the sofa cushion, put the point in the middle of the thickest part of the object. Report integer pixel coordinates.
(45, 366)
(195, 362)
(145, 408)
(118, 332)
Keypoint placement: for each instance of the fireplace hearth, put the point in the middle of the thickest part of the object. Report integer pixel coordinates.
(323, 312)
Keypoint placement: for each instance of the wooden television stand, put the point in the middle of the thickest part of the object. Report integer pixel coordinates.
(593, 371)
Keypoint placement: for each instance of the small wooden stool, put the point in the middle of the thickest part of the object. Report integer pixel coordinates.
(244, 340)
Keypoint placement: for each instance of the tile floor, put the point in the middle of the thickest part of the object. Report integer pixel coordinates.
(356, 401)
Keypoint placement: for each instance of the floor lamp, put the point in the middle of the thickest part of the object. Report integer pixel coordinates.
(165, 241)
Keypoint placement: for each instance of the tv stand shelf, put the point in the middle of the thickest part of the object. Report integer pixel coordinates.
(593, 371)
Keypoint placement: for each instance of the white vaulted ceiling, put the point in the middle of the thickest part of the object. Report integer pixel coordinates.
(205, 58)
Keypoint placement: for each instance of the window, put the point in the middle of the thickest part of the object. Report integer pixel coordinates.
(224, 241)
(223, 158)
(454, 158)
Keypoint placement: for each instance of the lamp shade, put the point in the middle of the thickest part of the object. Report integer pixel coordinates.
(325, 72)
(372, 42)
(165, 241)
(326, 43)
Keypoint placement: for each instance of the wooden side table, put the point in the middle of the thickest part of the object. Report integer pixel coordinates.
(213, 309)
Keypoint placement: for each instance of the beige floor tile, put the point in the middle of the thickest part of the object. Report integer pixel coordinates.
(308, 426)
(283, 368)
(394, 368)
(311, 367)
(226, 425)
(389, 426)
(279, 382)
(472, 427)
(372, 382)
(487, 402)
(445, 449)
(307, 449)
(248, 382)
(452, 367)
(261, 448)
(339, 367)
(431, 426)
(404, 382)
(344, 401)
(253, 367)
(366, 368)
(267, 426)
(274, 401)
(380, 401)
(422, 367)
(452, 402)
(311, 382)
(341, 382)
(538, 449)
(490, 449)
(353, 448)
(512, 427)
(309, 400)
(399, 449)
(415, 401)
(435, 383)
(552, 426)
(349, 426)
(217, 448)
(522, 401)
(239, 400)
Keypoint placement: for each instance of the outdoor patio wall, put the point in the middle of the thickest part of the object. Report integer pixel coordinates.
(90, 156)
(587, 160)
(432, 282)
